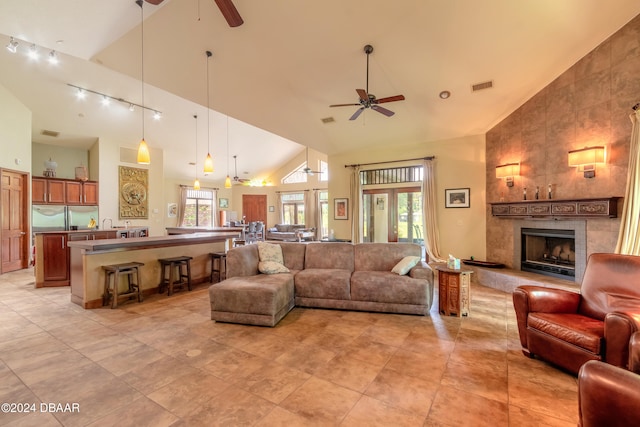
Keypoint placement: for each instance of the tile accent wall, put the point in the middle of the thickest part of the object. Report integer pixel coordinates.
(589, 104)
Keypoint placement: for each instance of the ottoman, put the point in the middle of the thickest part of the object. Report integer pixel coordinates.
(262, 300)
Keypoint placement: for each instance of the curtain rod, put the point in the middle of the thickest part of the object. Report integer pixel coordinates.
(201, 188)
(390, 161)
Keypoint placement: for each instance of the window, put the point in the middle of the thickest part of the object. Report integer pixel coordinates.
(324, 169)
(293, 208)
(296, 176)
(391, 175)
(198, 209)
(324, 214)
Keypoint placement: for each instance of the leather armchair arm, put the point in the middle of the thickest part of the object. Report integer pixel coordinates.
(528, 299)
(634, 353)
(619, 326)
(608, 396)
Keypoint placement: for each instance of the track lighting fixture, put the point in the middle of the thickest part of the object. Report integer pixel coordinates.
(13, 45)
(33, 52)
(53, 57)
(105, 101)
(157, 115)
(82, 93)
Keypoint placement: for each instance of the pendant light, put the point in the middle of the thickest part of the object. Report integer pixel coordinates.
(196, 183)
(227, 182)
(143, 150)
(208, 162)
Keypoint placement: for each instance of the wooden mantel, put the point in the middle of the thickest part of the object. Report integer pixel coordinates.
(603, 207)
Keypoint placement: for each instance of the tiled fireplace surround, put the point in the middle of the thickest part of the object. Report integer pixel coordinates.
(589, 104)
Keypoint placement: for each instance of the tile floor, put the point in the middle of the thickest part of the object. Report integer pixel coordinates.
(165, 363)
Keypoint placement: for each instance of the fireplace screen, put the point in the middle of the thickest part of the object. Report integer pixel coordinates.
(550, 252)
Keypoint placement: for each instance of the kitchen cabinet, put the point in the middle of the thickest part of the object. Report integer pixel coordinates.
(81, 193)
(53, 256)
(55, 260)
(49, 191)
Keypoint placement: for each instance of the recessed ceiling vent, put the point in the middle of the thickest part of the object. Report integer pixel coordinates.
(51, 133)
(328, 120)
(484, 85)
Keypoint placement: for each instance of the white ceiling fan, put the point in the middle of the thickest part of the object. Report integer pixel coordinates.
(307, 169)
(236, 178)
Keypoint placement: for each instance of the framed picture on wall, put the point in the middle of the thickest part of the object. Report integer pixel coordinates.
(223, 203)
(172, 210)
(456, 198)
(340, 208)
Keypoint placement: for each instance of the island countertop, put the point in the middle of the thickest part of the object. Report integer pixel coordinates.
(137, 243)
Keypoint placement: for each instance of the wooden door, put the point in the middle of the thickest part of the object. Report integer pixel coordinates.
(15, 221)
(254, 207)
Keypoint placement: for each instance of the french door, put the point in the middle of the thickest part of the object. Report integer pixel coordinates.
(392, 215)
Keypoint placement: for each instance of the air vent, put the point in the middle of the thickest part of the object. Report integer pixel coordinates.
(328, 120)
(484, 85)
(51, 133)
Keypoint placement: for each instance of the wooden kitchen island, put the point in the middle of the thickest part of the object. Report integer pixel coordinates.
(88, 257)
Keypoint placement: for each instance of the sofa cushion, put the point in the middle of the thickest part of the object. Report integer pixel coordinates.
(270, 252)
(332, 255)
(388, 287)
(323, 283)
(271, 267)
(382, 256)
(581, 331)
(405, 264)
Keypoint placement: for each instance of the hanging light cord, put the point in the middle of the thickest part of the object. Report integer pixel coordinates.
(208, 109)
(142, 58)
(195, 116)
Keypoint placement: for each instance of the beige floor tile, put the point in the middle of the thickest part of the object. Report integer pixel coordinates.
(280, 417)
(273, 382)
(308, 358)
(453, 407)
(371, 412)
(519, 417)
(150, 377)
(348, 372)
(370, 352)
(140, 412)
(321, 400)
(486, 380)
(404, 392)
(236, 409)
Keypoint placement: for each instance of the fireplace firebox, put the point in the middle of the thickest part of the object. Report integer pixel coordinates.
(549, 252)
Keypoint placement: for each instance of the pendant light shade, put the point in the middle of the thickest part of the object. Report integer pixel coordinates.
(208, 162)
(227, 182)
(143, 153)
(196, 184)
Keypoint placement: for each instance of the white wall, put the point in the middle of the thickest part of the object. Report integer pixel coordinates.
(15, 133)
(459, 163)
(67, 159)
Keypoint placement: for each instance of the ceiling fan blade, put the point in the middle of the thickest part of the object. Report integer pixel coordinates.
(229, 12)
(357, 113)
(390, 99)
(154, 2)
(344, 105)
(363, 94)
(382, 110)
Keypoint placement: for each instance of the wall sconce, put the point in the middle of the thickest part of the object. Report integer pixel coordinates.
(586, 159)
(508, 171)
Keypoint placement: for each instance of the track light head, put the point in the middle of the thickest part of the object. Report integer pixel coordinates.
(53, 57)
(33, 52)
(13, 45)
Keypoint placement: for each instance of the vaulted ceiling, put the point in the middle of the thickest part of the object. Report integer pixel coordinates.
(276, 75)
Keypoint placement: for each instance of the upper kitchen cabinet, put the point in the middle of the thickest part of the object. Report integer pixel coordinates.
(82, 193)
(50, 191)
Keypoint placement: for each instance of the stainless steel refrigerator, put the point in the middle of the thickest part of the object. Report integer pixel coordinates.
(60, 218)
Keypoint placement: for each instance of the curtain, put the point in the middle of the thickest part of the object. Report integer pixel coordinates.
(309, 210)
(629, 236)
(318, 214)
(279, 208)
(356, 212)
(429, 209)
(182, 205)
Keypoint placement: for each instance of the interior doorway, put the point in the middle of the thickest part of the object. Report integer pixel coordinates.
(392, 215)
(14, 233)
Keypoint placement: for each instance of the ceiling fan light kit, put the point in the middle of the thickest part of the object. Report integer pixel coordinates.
(369, 100)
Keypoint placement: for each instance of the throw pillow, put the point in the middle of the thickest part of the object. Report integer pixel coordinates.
(405, 264)
(271, 267)
(270, 252)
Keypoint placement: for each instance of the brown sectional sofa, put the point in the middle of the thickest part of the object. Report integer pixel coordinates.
(325, 275)
(290, 233)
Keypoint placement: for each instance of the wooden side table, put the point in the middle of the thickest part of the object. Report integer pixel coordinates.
(453, 291)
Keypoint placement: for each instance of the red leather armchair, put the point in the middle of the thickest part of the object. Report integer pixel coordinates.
(569, 328)
(607, 395)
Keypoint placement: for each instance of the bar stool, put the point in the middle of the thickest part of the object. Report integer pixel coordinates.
(218, 265)
(174, 272)
(129, 269)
